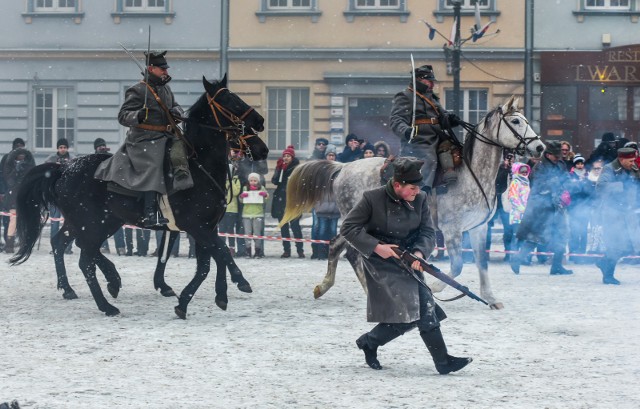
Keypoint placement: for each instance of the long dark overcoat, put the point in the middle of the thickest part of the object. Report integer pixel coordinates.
(618, 190)
(14, 173)
(425, 143)
(381, 216)
(545, 220)
(280, 179)
(138, 164)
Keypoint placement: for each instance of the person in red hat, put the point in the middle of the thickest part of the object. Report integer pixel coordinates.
(284, 168)
(618, 188)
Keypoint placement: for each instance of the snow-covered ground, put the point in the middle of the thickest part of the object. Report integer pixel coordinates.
(560, 342)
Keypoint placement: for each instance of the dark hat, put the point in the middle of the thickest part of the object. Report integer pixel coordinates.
(156, 59)
(369, 147)
(554, 148)
(608, 137)
(626, 153)
(426, 72)
(18, 142)
(350, 137)
(99, 142)
(407, 170)
(62, 142)
(578, 158)
(322, 140)
(633, 145)
(289, 151)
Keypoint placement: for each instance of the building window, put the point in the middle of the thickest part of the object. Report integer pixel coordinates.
(288, 8)
(474, 103)
(289, 4)
(606, 4)
(143, 8)
(487, 8)
(377, 4)
(51, 6)
(144, 5)
(467, 4)
(54, 116)
(391, 8)
(53, 9)
(288, 118)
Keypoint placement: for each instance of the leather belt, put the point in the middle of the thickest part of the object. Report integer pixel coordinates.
(427, 121)
(157, 128)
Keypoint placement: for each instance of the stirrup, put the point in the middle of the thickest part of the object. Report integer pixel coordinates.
(154, 220)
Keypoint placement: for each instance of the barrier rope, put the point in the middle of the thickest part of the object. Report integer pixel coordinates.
(278, 238)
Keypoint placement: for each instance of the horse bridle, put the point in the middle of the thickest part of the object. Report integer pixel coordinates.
(237, 129)
(523, 143)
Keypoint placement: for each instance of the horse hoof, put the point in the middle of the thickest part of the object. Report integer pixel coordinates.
(497, 306)
(69, 295)
(112, 312)
(221, 304)
(317, 292)
(181, 314)
(245, 287)
(168, 293)
(114, 290)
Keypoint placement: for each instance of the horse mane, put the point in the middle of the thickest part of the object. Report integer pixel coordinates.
(470, 139)
(198, 110)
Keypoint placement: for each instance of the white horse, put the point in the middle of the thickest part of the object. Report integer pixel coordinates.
(467, 206)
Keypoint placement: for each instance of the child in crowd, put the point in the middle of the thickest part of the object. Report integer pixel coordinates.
(253, 197)
(368, 151)
(518, 195)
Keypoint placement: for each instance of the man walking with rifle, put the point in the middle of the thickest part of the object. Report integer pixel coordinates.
(385, 219)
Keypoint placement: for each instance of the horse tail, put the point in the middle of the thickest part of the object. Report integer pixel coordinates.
(306, 186)
(34, 195)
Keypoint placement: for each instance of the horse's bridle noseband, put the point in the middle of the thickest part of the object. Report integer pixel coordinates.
(521, 148)
(238, 129)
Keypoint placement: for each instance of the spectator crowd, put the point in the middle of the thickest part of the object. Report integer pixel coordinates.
(564, 202)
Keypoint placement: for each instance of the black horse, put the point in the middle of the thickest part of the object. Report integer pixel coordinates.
(92, 213)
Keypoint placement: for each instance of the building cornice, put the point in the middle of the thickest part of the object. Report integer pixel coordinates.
(367, 54)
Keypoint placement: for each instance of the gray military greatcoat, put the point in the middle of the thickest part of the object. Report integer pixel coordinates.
(381, 216)
(138, 164)
(424, 145)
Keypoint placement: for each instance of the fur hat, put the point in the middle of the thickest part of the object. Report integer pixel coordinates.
(289, 151)
(331, 148)
(62, 142)
(156, 59)
(578, 158)
(407, 170)
(369, 147)
(18, 142)
(626, 153)
(322, 140)
(425, 72)
(99, 142)
(608, 137)
(350, 137)
(554, 148)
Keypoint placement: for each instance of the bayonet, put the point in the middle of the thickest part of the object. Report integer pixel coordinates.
(413, 114)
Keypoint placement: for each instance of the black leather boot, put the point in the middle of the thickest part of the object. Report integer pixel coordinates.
(518, 258)
(556, 265)
(445, 363)
(152, 217)
(377, 337)
(608, 268)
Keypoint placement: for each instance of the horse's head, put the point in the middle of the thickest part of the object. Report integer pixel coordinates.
(512, 130)
(234, 116)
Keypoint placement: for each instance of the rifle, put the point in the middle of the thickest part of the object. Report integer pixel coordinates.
(434, 271)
